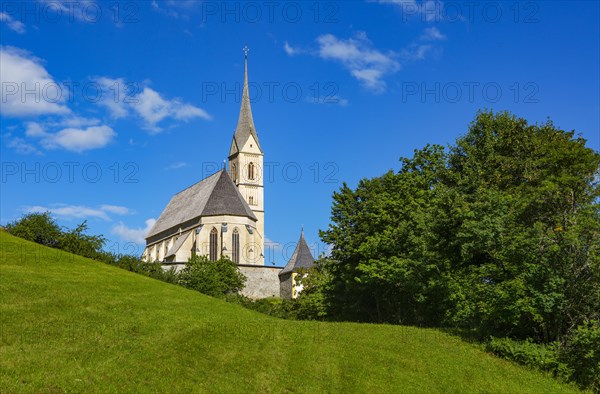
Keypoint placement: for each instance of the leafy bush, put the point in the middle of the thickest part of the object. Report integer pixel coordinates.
(214, 278)
(77, 242)
(582, 353)
(36, 227)
(542, 357)
(311, 303)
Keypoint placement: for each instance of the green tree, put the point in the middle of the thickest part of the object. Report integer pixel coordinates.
(214, 278)
(36, 227)
(517, 223)
(499, 235)
(380, 264)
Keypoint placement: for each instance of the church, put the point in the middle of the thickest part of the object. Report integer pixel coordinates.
(223, 215)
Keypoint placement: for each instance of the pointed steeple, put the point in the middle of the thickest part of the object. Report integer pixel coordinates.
(245, 127)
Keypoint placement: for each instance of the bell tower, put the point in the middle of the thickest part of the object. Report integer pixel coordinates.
(246, 163)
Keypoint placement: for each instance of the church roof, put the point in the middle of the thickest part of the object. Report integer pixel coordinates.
(178, 244)
(302, 258)
(245, 127)
(215, 195)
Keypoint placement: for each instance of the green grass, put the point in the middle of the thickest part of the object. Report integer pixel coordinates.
(70, 324)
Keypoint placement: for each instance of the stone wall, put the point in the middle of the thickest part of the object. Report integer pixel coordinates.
(261, 281)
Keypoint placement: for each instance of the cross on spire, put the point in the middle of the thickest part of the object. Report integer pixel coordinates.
(246, 49)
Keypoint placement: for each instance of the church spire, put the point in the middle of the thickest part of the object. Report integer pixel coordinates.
(245, 127)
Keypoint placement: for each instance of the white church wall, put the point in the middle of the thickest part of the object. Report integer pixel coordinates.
(251, 245)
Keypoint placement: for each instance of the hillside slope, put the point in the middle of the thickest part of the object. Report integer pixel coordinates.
(73, 324)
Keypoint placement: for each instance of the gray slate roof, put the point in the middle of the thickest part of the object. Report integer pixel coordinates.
(215, 195)
(302, 258)
(245, 127)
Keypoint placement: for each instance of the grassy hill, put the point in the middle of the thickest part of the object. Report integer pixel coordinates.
(73, 324)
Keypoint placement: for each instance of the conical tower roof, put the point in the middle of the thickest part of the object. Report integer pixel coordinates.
(245, 127)
(302, 257)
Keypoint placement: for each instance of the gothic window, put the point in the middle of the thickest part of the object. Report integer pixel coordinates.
(251, 171)
(251, 200)
(235, 253)
(213, 244)
(234, 172)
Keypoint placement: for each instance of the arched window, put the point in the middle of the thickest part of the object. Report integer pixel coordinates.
(234, 172)
(251, 171)
(235, 253)
(251, 200)
(214, 236)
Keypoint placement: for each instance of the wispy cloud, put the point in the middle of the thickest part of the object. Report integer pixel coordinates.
(175, 8)
(290, 50)
(342, 102)
(21, 146)
(423, 46)
(432, 34)
(80, 10)
(13, 24)
(428, 10)
(133, 234)
(369, 65)
(80, 211)
(365, 63)
(176, 166)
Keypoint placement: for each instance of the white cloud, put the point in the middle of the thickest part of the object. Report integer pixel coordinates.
(21, 72)
(175, 8)
(342, 102)
(72, 139)
(184, 4)
(421, 48)
(23, 147)
(153, 108)
(136, 234)
(289, 49)
(14, 25)
(432, 34)
(415, 52)
(33, 129)
(176, 166)
(429, 10)
(81, 10)
(75, 121)
(115, 95)
(365, 63)
(122, 98)
(80, 211)
(116, 209)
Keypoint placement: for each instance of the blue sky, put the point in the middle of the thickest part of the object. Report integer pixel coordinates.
(108, 109)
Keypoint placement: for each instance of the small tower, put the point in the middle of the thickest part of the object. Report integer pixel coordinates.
(246, 164)
(302, 259)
